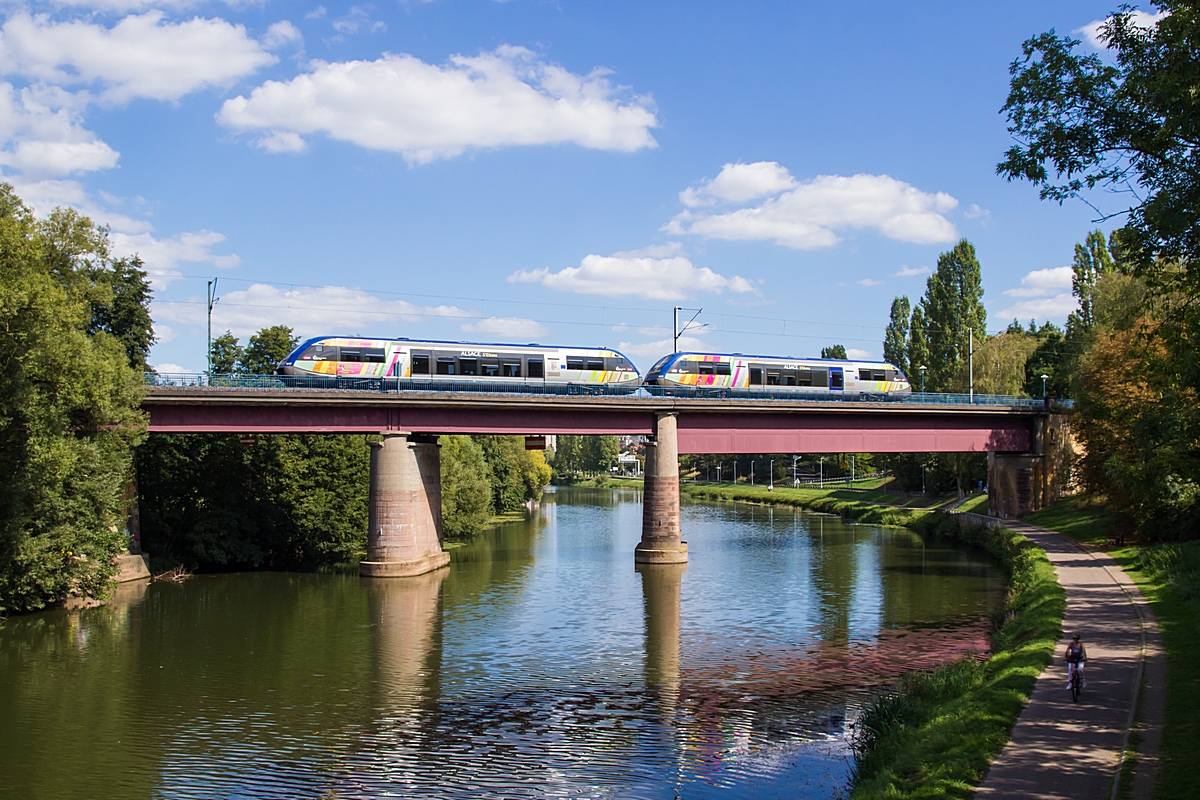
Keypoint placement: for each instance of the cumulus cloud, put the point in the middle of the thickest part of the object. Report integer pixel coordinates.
(910, 272)
(140, 56)
(809, 214)
(1043, 294)
(426, 112)
(869, 282)
(512, 327)
(624, 274)
(311, 311)
(43, 134)
(738, 183)
(167, 368)
(1093, 32)
(861, 355)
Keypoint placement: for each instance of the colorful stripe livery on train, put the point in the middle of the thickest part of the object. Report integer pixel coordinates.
(737, 371)
(459, 361)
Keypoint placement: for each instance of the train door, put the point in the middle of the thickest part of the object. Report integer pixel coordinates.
(835, 379)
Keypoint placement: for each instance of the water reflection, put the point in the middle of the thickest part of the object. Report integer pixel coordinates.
(540, 664)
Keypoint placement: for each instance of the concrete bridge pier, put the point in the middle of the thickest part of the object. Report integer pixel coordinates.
(661, 540)
(1021, 483)
(404, 536)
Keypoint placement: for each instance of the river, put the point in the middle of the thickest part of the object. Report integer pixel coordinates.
(540, 664)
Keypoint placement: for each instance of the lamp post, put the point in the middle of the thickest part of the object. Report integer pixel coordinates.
(771, 486)
(795, 481)
(212, 300)
(822, 479)
(718, 472)
(751, 472)
(923, 379)
(1044, 377)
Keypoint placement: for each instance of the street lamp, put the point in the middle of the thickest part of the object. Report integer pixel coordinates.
(795, 481)
(1044, 377)
(771, 487)
(822, 483)
(923, 379)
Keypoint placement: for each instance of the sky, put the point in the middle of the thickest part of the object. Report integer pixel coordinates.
(533, 171)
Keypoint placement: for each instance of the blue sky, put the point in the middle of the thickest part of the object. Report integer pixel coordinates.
(536, 171)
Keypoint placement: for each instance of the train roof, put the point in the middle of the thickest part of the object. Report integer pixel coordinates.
(786, 358)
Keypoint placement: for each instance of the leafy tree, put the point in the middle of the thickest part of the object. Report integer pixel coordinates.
(225, 354)
(918, 346)
(466, 486)
(266, 349)
(1053, 357)
(1092, 260)
(69, 411)
(1129, 126)
(836, 351)
(1000, 365)
(953, 308)
(895, 338)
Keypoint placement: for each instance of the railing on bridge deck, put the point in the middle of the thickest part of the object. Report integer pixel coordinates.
(404, 385)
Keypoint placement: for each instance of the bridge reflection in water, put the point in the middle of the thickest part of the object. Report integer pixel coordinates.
(538, 664)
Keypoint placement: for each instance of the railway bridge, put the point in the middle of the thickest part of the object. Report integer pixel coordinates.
(1021, 437)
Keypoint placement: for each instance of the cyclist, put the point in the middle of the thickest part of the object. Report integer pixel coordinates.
(1075, 656)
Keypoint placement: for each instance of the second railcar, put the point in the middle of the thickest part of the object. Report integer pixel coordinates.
(737, 371)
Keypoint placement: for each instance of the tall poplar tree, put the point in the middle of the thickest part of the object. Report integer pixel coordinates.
(895, 338)
(953, 309)
(918, 346)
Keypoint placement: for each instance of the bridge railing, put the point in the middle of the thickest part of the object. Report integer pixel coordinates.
(518, 387)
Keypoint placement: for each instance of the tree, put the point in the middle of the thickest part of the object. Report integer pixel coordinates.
(953, 311)
(837, 351)
(918, 345)
(895, 338)
(1130, 126)
(1000, 365)
(225, 354)
(466, 486)
(1092, 261)
(266, 349)
(126, 314)
(69, 411)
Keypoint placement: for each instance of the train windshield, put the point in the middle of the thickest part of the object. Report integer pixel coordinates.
(658, 365)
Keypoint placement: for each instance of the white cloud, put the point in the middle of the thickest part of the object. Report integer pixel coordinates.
(512, 327)
(358, 18)
(976, 211)
(425, 112)
(140, 56)
(129, 235)
(1042, 282)
(1093, 32)
(311, 311)
(44, 135)
(910, 272)
(740, 182)
(622, 275)
(861, 355)
(652, 351)
(869, 282)
(809, 215)
(1043, 293)
(167, 368)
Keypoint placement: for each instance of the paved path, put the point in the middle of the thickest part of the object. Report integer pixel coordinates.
(1061, 749)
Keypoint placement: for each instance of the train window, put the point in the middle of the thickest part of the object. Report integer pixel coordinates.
(468, 366)
(596, 364)
(446, 366)
(789, 379)
(370, 355)
(576, 363)
(706, 368)
(617, 363)
(820, 378)
(320, 352)
(872, 375)
(489, 368)
(756, 376)
(536, 368)
(804, 377)
(420, 364)
(772, 378)
(723, 369)
(510, 369)
(835, 379)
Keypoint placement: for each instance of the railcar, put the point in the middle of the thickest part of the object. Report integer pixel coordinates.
(777, 373)
(460, 361)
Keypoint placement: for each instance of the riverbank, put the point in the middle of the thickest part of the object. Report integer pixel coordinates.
(1168, 575)
(938, 732)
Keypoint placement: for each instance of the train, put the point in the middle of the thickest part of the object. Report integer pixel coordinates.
(438, 361)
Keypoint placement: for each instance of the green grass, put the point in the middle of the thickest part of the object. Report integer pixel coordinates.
(1081, 518)
(960, 716)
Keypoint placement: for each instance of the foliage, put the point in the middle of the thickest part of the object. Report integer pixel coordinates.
(518, 474)
(918, 349)
(1130, 126)
(69, 404)
(936, 734)
(466, 487)
(578, 454)
(836, 351)
(225, 354)
(260, 356)
(953, 313)
(895, 338)
(999, 365)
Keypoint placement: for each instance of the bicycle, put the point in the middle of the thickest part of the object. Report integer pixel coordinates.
(1076, 683)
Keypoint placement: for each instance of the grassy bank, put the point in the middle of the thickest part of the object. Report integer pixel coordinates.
(1169, 577)
(935, 735)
